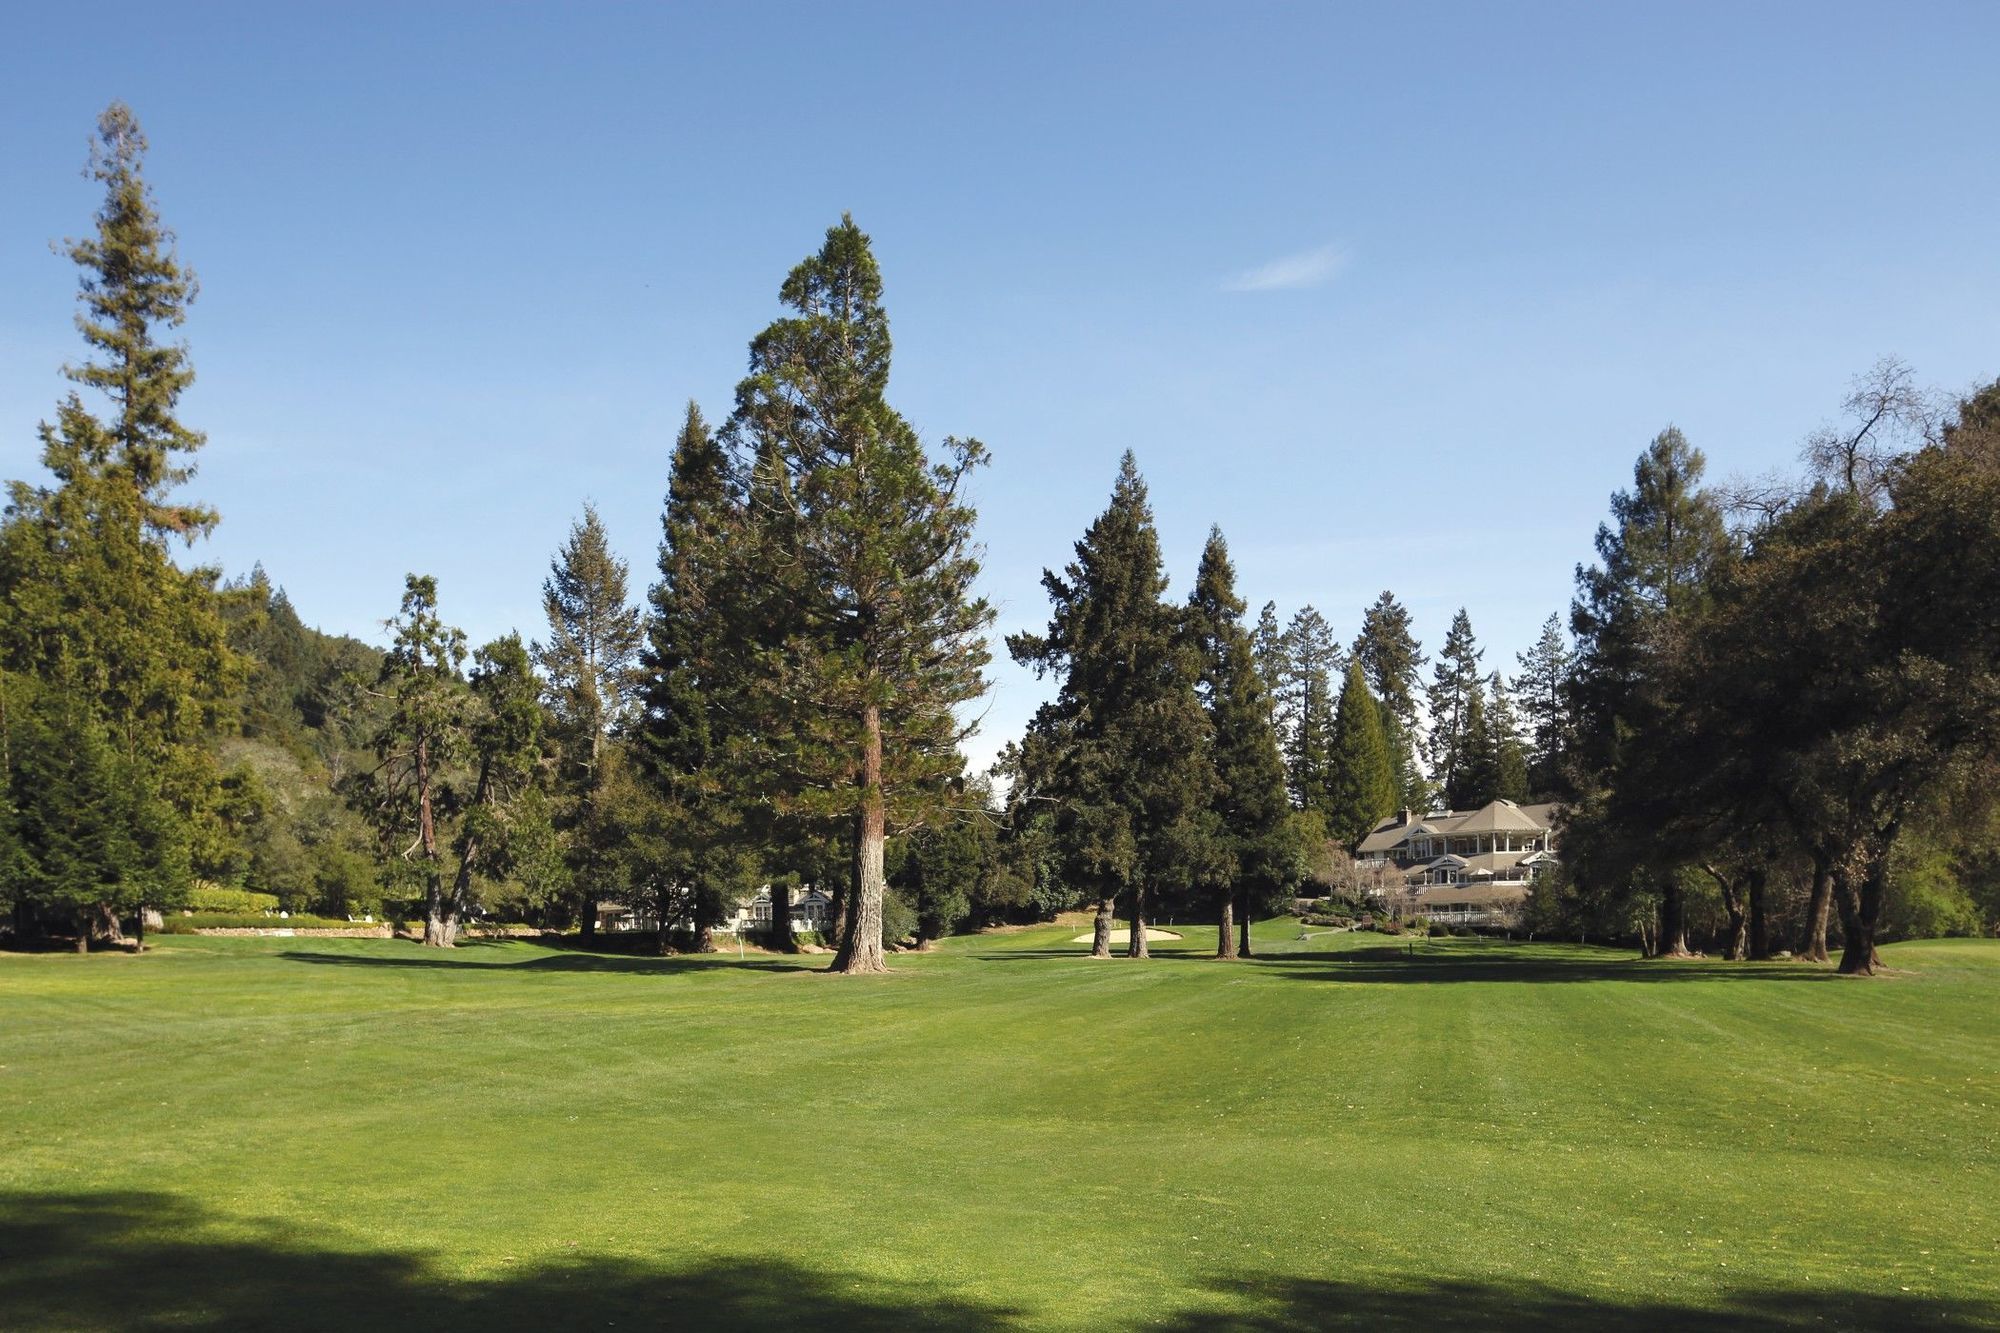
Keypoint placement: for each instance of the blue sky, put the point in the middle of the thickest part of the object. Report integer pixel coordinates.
(1394, 295)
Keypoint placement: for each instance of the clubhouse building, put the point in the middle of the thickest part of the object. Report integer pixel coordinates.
(1474, 867)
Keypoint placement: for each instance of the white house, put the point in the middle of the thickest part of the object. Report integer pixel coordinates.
(1473, 866)
(809, 913)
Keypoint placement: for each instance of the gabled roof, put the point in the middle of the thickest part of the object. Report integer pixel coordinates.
(1387, 836)
(1497, 817)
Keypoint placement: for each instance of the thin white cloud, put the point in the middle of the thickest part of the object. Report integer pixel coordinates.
(1308, 268)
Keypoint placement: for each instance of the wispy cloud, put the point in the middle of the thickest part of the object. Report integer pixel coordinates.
(1308, 268)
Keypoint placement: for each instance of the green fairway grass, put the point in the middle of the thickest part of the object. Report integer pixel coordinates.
(1348, 1131)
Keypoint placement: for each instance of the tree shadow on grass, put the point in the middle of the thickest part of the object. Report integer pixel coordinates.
(552, 959)
(1279, 1304)
(152, 1260)
(1388, 967)
(1395, 963)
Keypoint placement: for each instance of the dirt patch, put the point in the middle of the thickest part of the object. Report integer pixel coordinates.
(1123, 935)
(323, 932)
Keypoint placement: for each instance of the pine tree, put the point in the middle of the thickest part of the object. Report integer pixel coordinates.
(89, 837)
(1392, 661)
(1267, 644)
(592, 648)
(1305, 706)
(887, 638)
(1455, 683)
(1631, 618)
(1476, 778)
(133, 287)
(99, 617)
(1543, 686)
(1249, 847)
(506, 737)
(1510, 756)
(702, 639)
(422, 740)
(1363, 789)
(1120, 753)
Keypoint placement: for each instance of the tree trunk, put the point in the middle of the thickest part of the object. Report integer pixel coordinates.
(1857, 956)
(1738, 943)
(1813, 947)
(861, 951)
(1100, 929)
(587, 917)
(106, 926)
(1861, 912)
(1243, 927)
(461, 890)
(1135, 947)
(781, 918)
(704, 937)
(1225, 926)
(139, 931)
(836, 914)
(1673, 940)
(434, 930)
(468, 857)
(1760, 928)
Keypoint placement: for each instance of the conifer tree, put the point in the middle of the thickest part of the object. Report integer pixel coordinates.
(88, 838)
(102, 629)
(1631, 618)
(1267, 642)
(134, 287)
(1249, 845)
(1392, 661)
(886, 639)
(700, 656)
(420, 746)
(1363, 789)
(1510, 756)
(1455, 683)
(1476, 778)
(506, 727)
(1305, 706)
(1542, 686)
(589, 657)
(1119, 754)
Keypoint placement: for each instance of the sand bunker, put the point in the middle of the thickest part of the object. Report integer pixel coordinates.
(1123, 935)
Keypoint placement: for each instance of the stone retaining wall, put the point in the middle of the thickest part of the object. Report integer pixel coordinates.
(322, 932)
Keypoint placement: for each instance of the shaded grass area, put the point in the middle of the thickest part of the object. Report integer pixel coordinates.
(344, 1133)
(156, 1261)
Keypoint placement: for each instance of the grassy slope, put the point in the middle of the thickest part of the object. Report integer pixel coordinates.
(319, 1133)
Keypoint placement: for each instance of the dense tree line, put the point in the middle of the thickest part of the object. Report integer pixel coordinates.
(1791, 719)
(1771, 723)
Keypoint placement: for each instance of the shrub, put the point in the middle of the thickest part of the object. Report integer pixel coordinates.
(899, 917)
(187, 925)
(240, 902)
